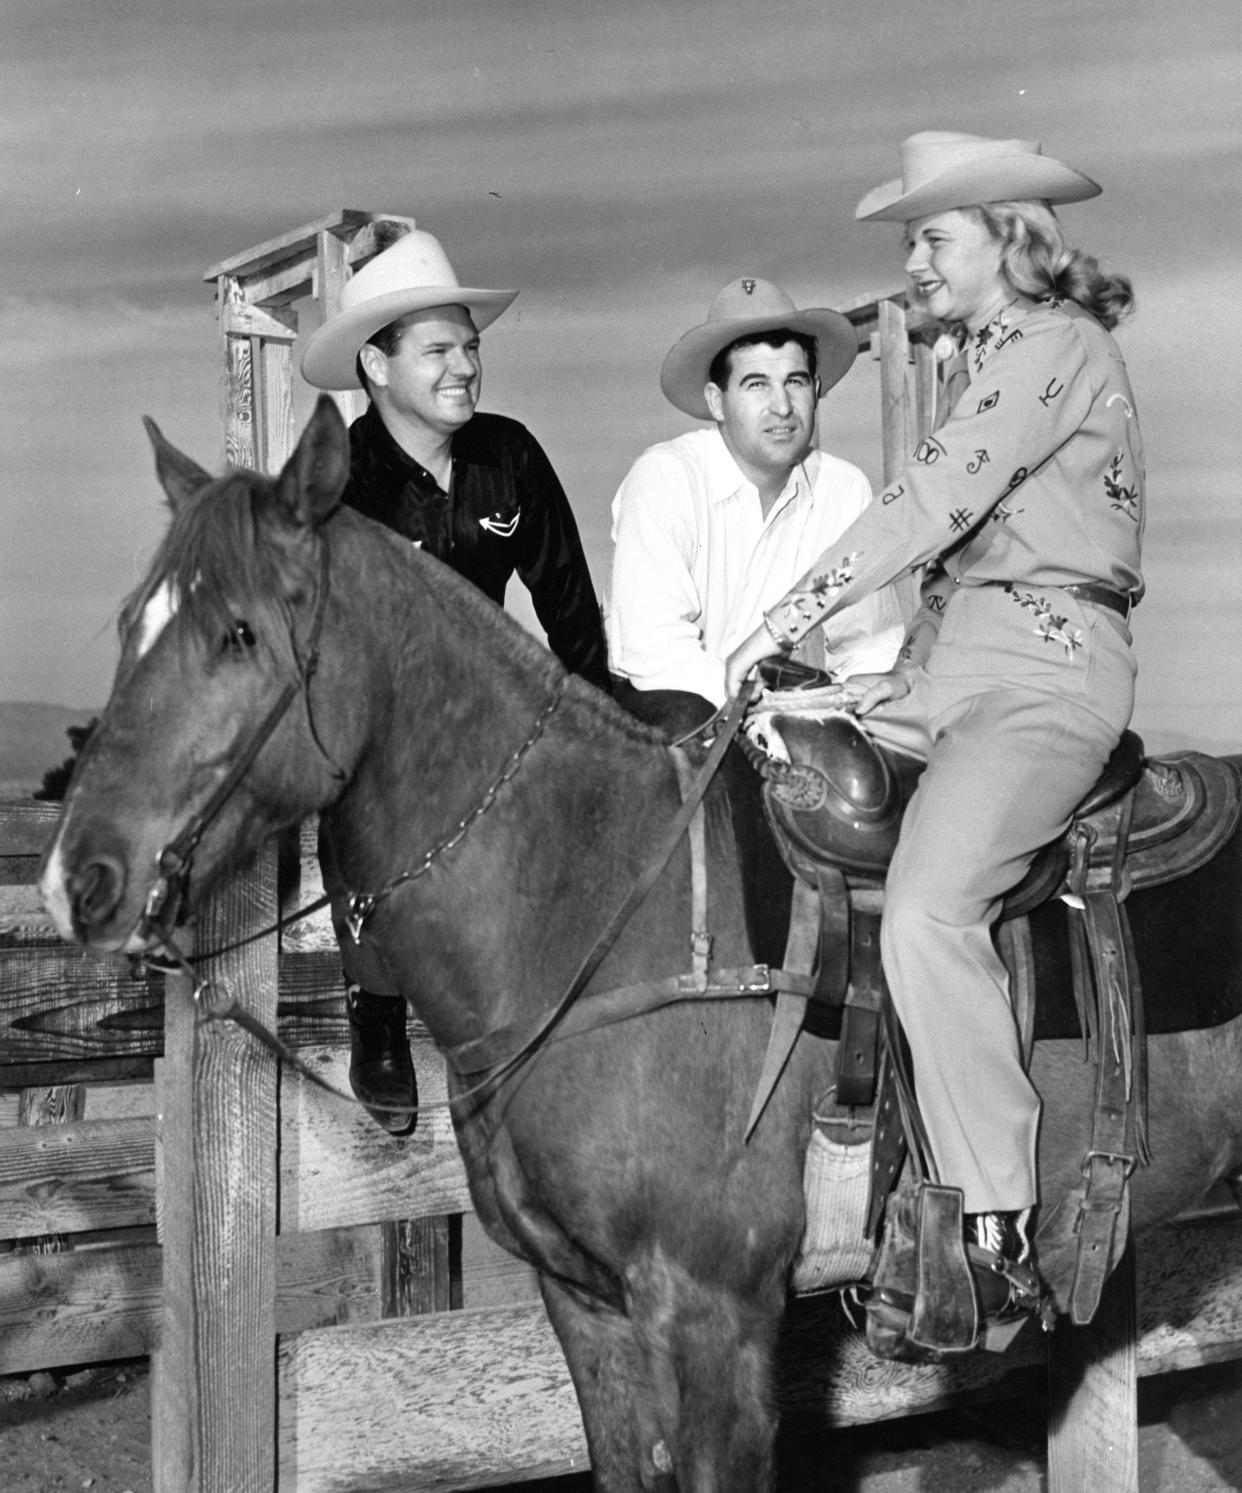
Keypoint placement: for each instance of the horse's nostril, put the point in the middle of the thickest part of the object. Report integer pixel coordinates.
(97, 890)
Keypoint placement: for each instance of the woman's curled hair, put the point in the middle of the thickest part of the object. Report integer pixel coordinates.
(1038, 264)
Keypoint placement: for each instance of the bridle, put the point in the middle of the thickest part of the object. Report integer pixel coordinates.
(166, 897)
(164, 901)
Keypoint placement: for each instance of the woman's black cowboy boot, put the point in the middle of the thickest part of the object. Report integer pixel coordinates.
(381, 1071)
(1001, 1251)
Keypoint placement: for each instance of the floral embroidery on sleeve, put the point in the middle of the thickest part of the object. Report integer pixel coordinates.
(800, 610)
(1124, 499)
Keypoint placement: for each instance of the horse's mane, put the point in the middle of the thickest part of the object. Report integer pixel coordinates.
(507, 642)
(224, 564)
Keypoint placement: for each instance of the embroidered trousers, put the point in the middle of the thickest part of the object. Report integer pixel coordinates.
(1016, 730)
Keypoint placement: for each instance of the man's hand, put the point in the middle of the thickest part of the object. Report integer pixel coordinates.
(877, 688)
(742, 662)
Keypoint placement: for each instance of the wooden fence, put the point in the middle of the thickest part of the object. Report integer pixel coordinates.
(322, 1310)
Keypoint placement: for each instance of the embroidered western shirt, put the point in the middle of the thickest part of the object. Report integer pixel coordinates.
(1035, 480)
(505, 512)
(696, 562)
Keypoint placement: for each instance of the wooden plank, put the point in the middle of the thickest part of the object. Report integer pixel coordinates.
(71, 1015)
(78, 1176)
(275, 423)
(75, 1070)
(213, 1391)
(80, 1306)
(19, 870)
(278, 286)
(923, 377)
(120, 1101)
(331, 274)
(48, 1106)
(330, 1278)
(241, 319)
(236, 381)
(456, 1400)
(490, 1276)
(1093, 1394)
(893, 354)
(415, 1271)
(271, 251)
(87, 1306)
(337, 1167)
(26, 826)
(301, 885)
(65, 1004)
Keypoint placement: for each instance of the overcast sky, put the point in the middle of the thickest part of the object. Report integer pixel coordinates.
(618, 162)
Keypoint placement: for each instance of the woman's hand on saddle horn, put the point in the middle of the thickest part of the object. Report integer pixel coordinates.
(877, 688)
(744, 659)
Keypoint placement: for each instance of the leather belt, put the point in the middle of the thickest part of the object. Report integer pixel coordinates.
(1099, 595)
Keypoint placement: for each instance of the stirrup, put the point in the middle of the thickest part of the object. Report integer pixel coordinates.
(1001, 1251)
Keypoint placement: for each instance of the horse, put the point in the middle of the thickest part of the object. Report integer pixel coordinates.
(285, 657)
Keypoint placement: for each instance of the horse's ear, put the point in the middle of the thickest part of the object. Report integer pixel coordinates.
(315, 475)
(180, 477)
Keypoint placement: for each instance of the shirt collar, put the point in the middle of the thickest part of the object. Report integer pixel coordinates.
(474, 444)
(725, 479)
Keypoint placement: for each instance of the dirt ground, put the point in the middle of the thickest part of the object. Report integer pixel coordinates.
(90, 1431)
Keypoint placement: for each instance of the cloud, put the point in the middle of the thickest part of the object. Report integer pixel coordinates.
(38, 332)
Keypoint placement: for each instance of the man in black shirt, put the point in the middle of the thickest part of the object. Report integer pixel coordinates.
(474, 490)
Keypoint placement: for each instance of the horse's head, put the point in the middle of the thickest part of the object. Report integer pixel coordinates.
(217, 732)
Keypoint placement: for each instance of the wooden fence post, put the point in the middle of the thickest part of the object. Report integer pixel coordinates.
(213, 1393)
(257, 296)
(909, 380)
(1093, 1393)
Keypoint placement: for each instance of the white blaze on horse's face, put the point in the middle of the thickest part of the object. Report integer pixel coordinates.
(161, 608)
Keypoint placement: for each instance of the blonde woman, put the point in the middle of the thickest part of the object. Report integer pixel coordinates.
(1016, 678)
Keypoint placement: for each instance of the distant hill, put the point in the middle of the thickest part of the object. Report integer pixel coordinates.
(32, 739)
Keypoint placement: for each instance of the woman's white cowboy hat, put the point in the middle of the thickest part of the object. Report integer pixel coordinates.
(412, 275)
(941, 169)
(742, 307)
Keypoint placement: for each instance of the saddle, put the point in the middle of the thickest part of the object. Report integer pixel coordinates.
(834, 799)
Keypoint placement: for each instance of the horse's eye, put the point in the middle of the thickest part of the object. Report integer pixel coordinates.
(240, 637)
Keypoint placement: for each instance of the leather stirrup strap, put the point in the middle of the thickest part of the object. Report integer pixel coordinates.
(1111, 1158)
(857, 1052)
(801, 951)
(700, 938)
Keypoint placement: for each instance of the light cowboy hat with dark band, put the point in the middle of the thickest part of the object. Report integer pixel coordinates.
(941, 169)
(412, 275)
(744, 307)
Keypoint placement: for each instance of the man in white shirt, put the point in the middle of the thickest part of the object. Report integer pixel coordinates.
(713, 527)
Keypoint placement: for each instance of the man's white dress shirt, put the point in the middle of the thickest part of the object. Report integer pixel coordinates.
(697, 564)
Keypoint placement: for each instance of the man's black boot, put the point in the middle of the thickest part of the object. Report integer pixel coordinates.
(381, 1071)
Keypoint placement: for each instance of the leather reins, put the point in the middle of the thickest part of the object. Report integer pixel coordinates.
(167, 895)
(751, 982)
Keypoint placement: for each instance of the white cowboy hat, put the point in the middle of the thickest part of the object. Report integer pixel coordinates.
(742, 307)
(941, 169)
(412, 275)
